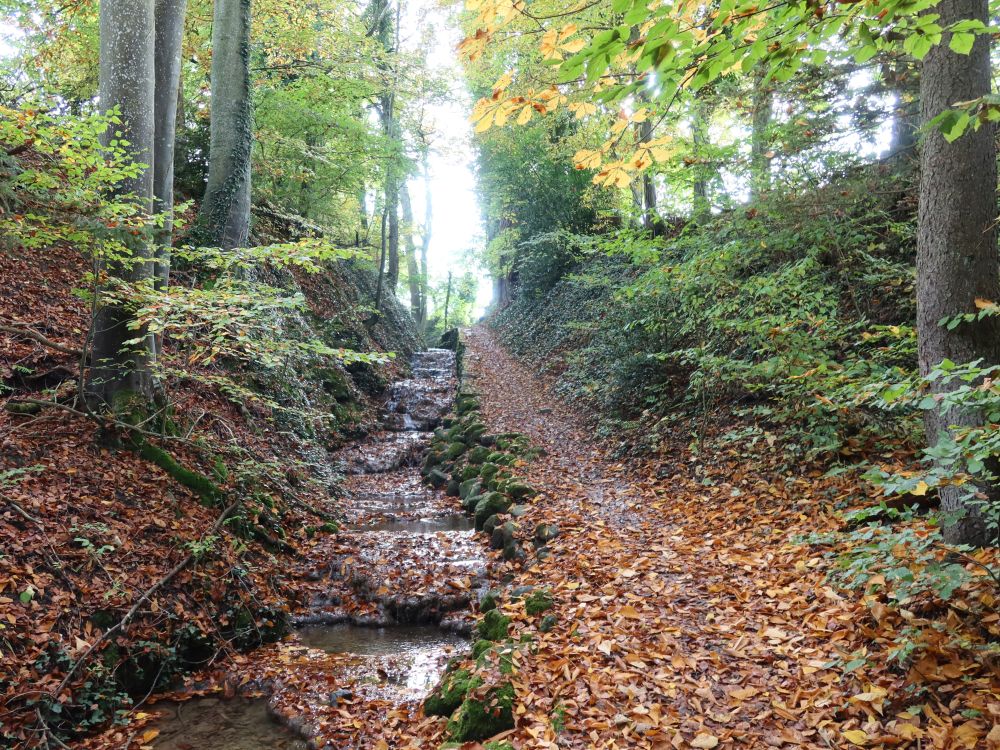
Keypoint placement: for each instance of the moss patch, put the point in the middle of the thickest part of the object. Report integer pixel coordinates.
(450, 692)
(494, 626)
(483, 716)
(210, 493)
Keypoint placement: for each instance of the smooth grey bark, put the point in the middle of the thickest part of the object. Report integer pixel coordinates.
(904, 81)
(225, 211)
(412, 272)
(121, 374)
(957, 241)
(701, 207)
(762, 103)
(169, 22)
(425, 241)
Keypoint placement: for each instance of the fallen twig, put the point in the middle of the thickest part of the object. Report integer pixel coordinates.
(39, 338)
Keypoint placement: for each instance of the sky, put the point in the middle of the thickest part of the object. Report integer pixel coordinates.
(456, 223)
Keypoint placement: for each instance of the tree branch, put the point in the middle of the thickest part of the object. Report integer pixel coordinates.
(39, 338)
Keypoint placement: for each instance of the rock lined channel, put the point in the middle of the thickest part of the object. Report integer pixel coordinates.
(392, 588)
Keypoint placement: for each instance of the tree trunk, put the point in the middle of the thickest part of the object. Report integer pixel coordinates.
(957, 242)
(903, 80)
(701, 207)
(425, 241)
(760, 121)
(412, 272)
(119, 374)
(169, 19)
(225, 212)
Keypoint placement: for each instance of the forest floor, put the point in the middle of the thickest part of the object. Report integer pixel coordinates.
(687, 613)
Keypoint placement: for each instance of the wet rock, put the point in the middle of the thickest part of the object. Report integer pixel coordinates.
(537, 602)
(545, 533)
(491, 503)
(518, 591)
(494, 626)
(513, 551)
(543, 553)
(479, 718)
(337, 696)
(548, 622)
(469, 503)
(437, 478)
(455, 450)
(452, 489)
(503, 535)
(518, 510)
(468, 487)
(490, 526)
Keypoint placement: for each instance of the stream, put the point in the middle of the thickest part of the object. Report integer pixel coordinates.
(392, 588)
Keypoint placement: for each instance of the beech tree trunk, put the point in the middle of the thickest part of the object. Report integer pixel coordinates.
(701, 207)
(760, 121)
(412, 272)
(957, 242)
(169, 20)
(425, 240)
(120, 375)
(225, 211)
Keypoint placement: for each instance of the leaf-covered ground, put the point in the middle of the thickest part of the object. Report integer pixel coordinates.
(689, 617)
(686, 612)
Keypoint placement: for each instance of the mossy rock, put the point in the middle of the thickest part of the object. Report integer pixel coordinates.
(490, 525)
(488, 470)
(520, 491)
(452, 489)
(470, 471)
(438, 478)
(432, 459)
(473, 432)
(455, 450)
(469, 503)
(479, 648)
(468, 487)
(502, 654)
(490, 504)
(478, 455)
(494, 626)
(499, 745)
(482, 717)
(537, 602)
(450, 692)
(505, 459)
(488, 601)
(548, 622)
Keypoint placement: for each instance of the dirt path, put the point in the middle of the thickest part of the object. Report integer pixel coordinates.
(686, 615)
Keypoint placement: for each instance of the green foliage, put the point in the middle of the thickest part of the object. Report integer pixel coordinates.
(210, 493)
(788, 315)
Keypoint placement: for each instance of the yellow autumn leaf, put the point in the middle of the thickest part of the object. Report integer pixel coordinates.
(856, 736)
(582, 109)
(525, 114)
(574, 46)
(585, 159)
(640, 115)
(921, 489)
(567, 31)
(503, 82)
(150, 734)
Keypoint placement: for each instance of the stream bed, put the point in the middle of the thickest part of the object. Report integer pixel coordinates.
(395, 584)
